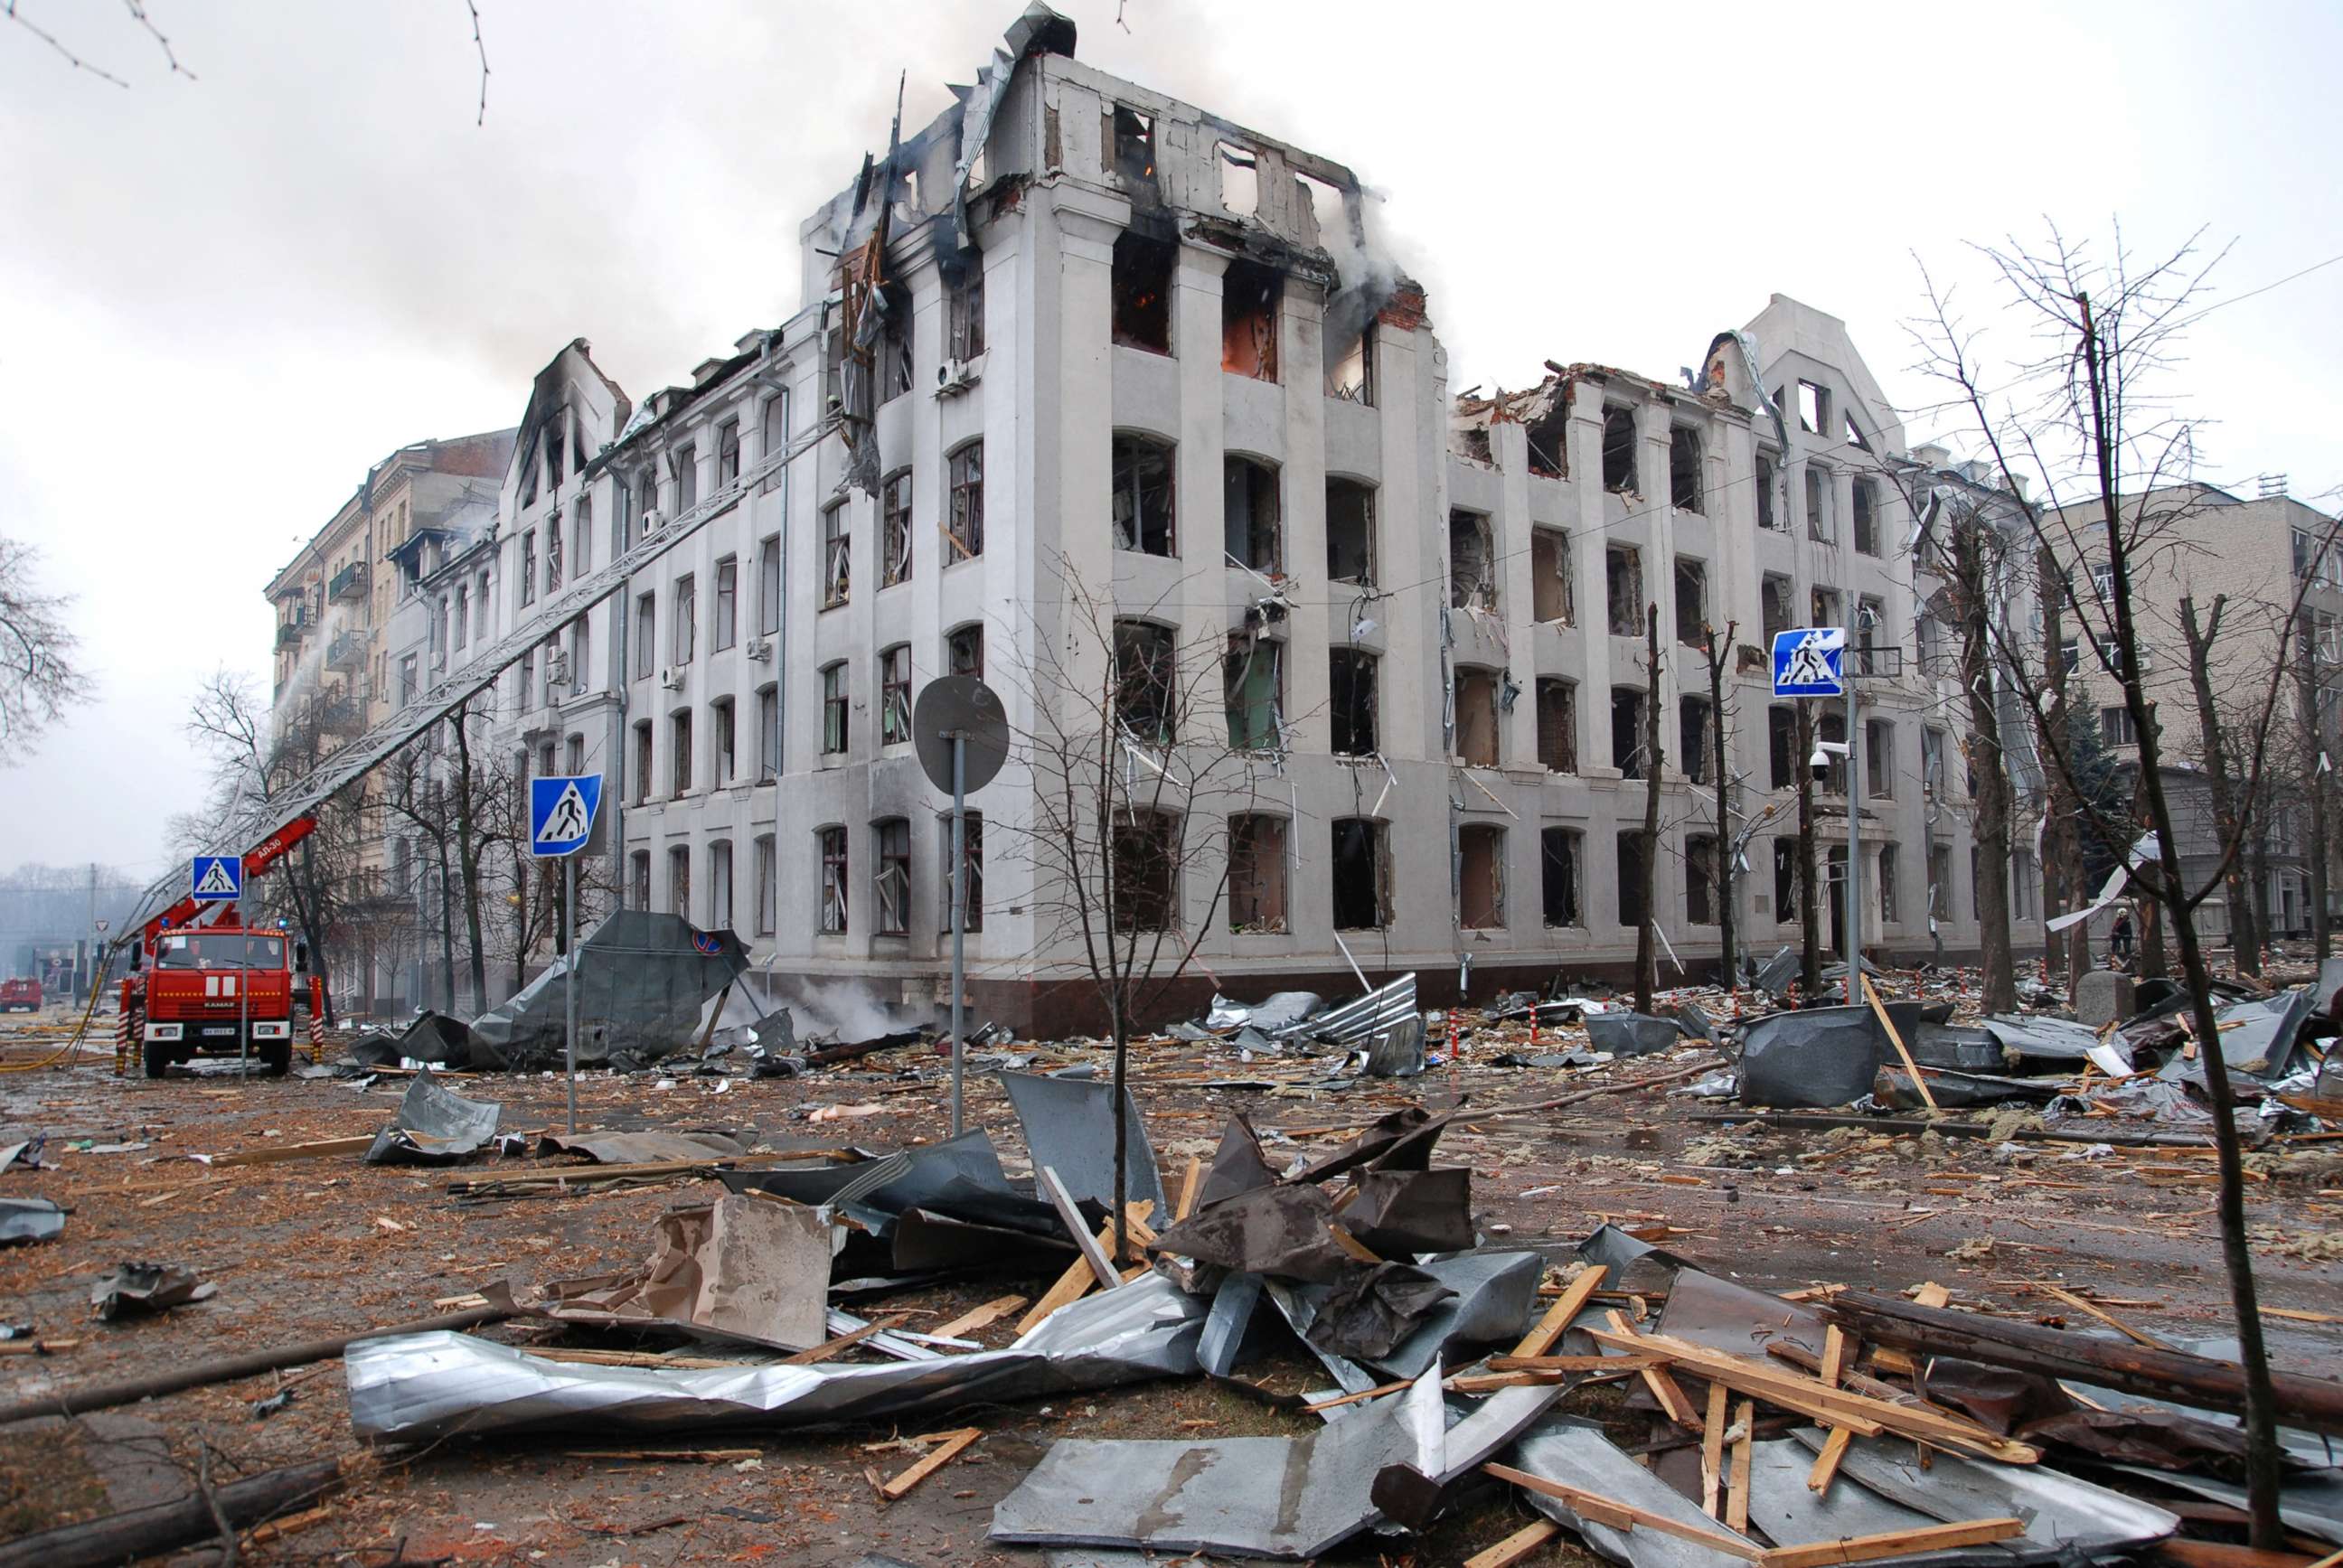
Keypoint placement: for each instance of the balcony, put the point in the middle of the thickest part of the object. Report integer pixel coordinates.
(295, 626)
(341, 715)
(348, 650)
(349, 583)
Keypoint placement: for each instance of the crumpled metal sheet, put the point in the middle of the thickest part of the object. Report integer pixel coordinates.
(1397, 1051)
(1368, 1312)
(1575, 1452)
(1814, 1056)
(1281, 1497)
(2033, 1035)
(642, 1148)
(1224, 1327)
(1279, 1230)
(1378, 1011)
(1069, 1129)
(129, 1289)
(1631, 1033)
(1712, 1311)
(1407, 1496)
(434, 1126)
(1495, 1292)
(1282, 1010)
(26, 1220)
(420, 1386)
(643, 982)
(2309, 1502)
(1238, 1165)
(1402, 1140)
(1403, 1212)
(2262, 1046)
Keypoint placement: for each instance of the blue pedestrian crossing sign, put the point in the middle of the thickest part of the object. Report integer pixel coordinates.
(216, 878)
(1810, 662)
(562, 813)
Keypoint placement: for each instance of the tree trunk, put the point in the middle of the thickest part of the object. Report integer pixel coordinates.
(1647, 947)
(446, 929)
(1810, 950)
(2314, 762)
(310, 927)
(468, 857)
(1972, 579)
(2066, 953)
(2213, 748)
(1725, 880)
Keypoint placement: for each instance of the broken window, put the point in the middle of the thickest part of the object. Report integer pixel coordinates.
(895, 694)
(529, 566)
(1692, 602)
(1146, 701)
(768, 732)
(895, 529)
(1253, 683)
(1142, 495)
(964, 478)
(1552, 595)
(769, 875)
(1352, 702)
(1864, 515)
(1825, 607)
(1886, 879)
(1248, 297)
(1476, 716)
(1476, 445)
(1557, 725)
(1634, 895)
(1480, 877)
(1257, 872)
(1351, 366)
(769, 585)
(837, 556)
(1831, 726)
(685, 619)
(1785, 881)
(1814, 408)
(1855, 436)
(964, 315)
(722, 735)
(1240, 179)
(686, 462)
(972, 841)
(679, 741)
(1940, 881)
(1879, 758)
(833, 709)
(719, 886)
(639, 880)
(553, 541)
(894, 347)
(1691, 738)
(1819, 520)
(553, 448)
(722, 630)
(1871, 637)
(1144, 871)
(1548, 436)
(1627, 731)
(1932, 763)
(1472, 563)
(1782, 746)
(1558, 854)
(1362, 898)
(1142, 292)
(831, 844)
(642, 761)
(964, 651)
(1685, 490)
(728, 452)
(892, 844)
(1775, 605)
(678, 880)
(1700, 879)
(1350, 531)
(1130, 149)
(1767, 517)
(1618, 448)
(1623, 577)
(1250, 514)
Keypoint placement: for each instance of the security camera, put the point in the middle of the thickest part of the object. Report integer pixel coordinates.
(1819, 764)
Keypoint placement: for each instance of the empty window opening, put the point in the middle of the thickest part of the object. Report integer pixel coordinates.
(1144, 868)
(1549, 436)
(1557, 725)
(1871, 637)
(1351, 365)
(1559, 856)
(1700, 879)
(1249, 511)
(725, 628)
(1253, 685)
(680, 742)
(894, 345)
(1785, 882)
(895, 531)
(1248, 297)
(891, 843)
(1627, 746)
(1634, 896)
(836, 556)
(964, 315)
(1623, 578)
(972, 862)
(1240, 179)
(638, 880)
(1782, 747)
(1691, 738)
(1480, 877)
(964, 651)
(728, 452)
(1131, 145)
(1768, 517)
(769, 733)
(1864, 513)
(1476, 445)
(964, 522)
(1552, 596)
(1831, 726)
(833, 710)
(1826, 603)
(1142, 293)
(1142, 495)
(1350, 531)
(1887, 888)
(1692, 602)
(1363, 888)
(1350, 699)
(1618, 448)
(768, 875)
(831, 846)
(895, 694)
(724, 734)
(1145, 663)
(1684, 490)
(1855, 436)
(1776, 598)
(1818, 517)
(1940, 881)
(642, 761)
(1472, 563)
(1476, 716)
(1932, 763)
(1814, 408)
(678, 880)
(1879, 758)
(1257, 872)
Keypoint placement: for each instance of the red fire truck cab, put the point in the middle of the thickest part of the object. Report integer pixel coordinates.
(16, 993)
(218, 989)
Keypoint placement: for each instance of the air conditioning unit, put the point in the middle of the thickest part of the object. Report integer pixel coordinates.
(557, 669)
(758, 648)
(954, 376)
(653, 520)
(671, 678)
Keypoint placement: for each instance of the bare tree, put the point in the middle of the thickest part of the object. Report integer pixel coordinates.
(40, 678)
(2214, 757)
(2318, 772)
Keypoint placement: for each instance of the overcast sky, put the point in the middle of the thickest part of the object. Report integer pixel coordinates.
(225, 298)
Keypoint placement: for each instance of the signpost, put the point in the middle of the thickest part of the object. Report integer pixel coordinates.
(1811, 661)
(962, 734)
(561, 809)
(219, 880)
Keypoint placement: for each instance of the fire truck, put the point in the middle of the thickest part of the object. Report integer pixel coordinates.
(203, 982)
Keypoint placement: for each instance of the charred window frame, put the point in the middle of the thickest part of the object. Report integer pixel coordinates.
(1776, 598)
(1144, 860)
(1618, 448)
(830, 844)
(728, 452)
(1864, 517)
(1474, 708)
(895, 529)
(965, 313)
(1240, 172)
(1143, 510)
(1692, 602)
(1560, 851)
(964, 651)
(1361, 874)
(1623, 582)
(1253, 676)
(965, 525)
(1472, 560)
(837, 556)
(1351, 366)
(724, 630)
(679, 745)
(1557, 724)
(1814, 408)
(1250, 296)
(895, 695)
(1691, 738)
(1250, 506)
(1257, 873)
(553, 543)
(1146, 692)
(833, 709)
(1480, 877)
(1627, 754)
(1553, 595)
(895, 346)
(1353, 701)
(1351, 532)
(1141, 289)
(1700, 879)
(1130, 149)
(973, 859)
(1768, 476)
(1932, 763)
(723, 737)
(891, 881)
(1686, 489)
(1825, 603)
(1634, 896)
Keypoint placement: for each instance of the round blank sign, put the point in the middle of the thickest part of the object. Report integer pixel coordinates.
(960, 704)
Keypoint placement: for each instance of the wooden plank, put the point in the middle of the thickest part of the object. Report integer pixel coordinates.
(2220, 1554)
(1190, 1185)
(1665, 1389)
(1365, 1393)
(1826, 1462)
(1932, 1294)
(1515, 1547)
(1093, 1252)
(991, 1311)
(670, 1455)
(943, 1453)
(1712, 1451)
(1623, 1515)
(274, 1154)
(1836, 1353)
(1896, 1040)
(1626, 1363)
(593, 1358)
(1351, 1245)
(1072, 1286)
(1566, 1306)
(822, 1352)
(2083, 1305)
(1743, 1434)
(1892, 1543)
